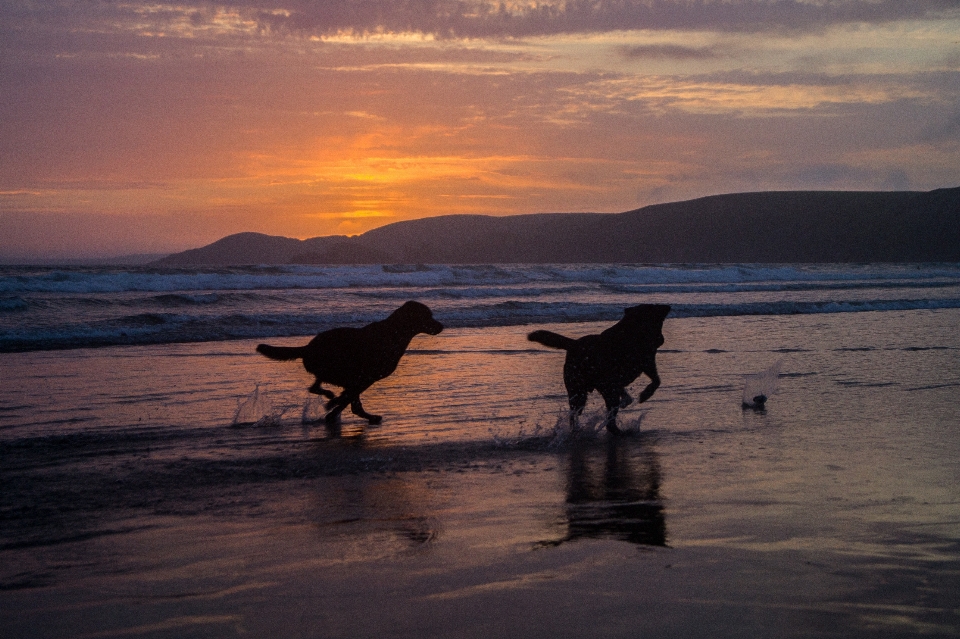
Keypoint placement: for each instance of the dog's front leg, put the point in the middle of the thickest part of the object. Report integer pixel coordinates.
(650, 389)
(651, 370)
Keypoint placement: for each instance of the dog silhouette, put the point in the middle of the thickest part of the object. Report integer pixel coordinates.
(611, 361)
(355, 358)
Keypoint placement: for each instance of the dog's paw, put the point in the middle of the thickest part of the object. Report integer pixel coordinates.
(375, 419)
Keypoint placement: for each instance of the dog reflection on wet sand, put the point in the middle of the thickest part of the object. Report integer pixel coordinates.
(613, 492)
(355, 511)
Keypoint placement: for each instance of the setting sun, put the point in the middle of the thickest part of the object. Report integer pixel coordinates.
(188, 123)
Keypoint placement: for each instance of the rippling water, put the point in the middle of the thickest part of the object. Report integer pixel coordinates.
(43, 308)
(132, 505)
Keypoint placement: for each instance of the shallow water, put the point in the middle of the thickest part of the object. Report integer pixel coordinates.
(131, 506)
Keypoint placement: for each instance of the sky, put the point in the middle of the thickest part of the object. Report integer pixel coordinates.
(147, 127)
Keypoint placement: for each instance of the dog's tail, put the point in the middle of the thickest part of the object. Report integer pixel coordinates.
(282, 353)
(553, 340)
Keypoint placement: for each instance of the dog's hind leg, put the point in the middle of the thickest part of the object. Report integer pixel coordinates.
(577, 402)
(613, 398)
(357, 409)
(317, 389)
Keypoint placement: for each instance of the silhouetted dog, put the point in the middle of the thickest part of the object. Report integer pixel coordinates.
(355, 358)
(612, 360)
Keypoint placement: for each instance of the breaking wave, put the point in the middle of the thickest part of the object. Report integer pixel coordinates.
(58, 308)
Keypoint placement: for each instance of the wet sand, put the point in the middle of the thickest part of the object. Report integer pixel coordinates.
(132, 507)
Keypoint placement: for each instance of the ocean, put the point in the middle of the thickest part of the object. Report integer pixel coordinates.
(54, 308)
(160, 478)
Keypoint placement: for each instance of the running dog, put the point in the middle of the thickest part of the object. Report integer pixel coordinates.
(611, 361)
(355, 358)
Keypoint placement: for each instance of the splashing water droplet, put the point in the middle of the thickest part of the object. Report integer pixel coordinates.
(313, 409)
(758, 387)
(256, 409)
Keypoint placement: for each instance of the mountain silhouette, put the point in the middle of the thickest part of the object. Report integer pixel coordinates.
(777, 226)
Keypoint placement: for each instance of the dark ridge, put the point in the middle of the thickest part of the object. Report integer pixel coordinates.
(347, 251)
(769, 227)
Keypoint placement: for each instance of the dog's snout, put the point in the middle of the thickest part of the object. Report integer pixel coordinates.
(434, 328)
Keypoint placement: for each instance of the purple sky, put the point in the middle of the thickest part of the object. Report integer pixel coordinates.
(130, 127)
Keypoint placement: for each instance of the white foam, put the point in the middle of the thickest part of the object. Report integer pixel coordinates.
(44, 309)
(114, 280)
(590, 425)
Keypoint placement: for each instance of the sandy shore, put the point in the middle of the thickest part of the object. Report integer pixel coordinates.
(131, 506)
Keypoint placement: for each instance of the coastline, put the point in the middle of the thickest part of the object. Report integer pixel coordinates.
(468, 513)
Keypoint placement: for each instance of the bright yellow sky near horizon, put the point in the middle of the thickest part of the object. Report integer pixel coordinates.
(148, 127)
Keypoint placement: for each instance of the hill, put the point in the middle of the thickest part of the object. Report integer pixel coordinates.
(779, 226)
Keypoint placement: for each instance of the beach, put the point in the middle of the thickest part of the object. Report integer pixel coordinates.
(134, 506)
(431, 204)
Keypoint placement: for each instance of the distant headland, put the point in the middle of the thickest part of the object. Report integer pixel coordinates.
(772, 227)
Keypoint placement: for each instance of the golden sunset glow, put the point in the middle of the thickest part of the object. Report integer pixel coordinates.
(190, 122)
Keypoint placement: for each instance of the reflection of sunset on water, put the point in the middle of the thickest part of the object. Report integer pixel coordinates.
(132, 491)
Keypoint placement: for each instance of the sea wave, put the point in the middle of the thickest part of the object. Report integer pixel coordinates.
(184, 299)
(19, 280)
(105, 280)
(13, 303)
(57, 308)
(160, 328)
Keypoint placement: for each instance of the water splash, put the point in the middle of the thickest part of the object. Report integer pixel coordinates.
(313, 409)
(540, 437)
(759, 387)
(258, 410)
(550, 437)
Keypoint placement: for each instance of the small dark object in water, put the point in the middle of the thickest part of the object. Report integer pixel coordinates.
(758, 387)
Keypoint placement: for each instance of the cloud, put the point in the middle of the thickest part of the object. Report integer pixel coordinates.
(459, 18)
(307, 118)
(736, 94)
(674, 52)
(483, 18)
(947, 129)
(830, 175)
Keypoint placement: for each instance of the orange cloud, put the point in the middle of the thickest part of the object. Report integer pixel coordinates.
(194, 121)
